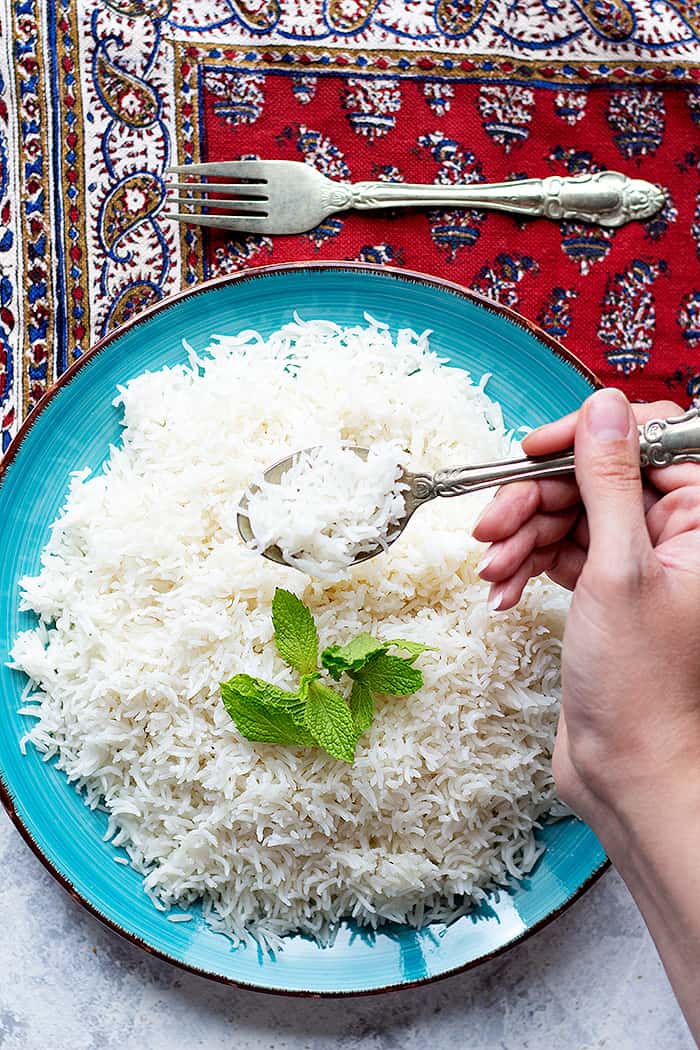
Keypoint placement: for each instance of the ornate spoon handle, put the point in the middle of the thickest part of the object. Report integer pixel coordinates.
(460, 480)
(606, 197)
(662, 442)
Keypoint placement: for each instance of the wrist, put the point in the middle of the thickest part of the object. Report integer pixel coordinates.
(621, 780)
(647, 814)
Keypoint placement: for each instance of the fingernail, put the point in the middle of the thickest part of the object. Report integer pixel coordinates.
(482, 512)
(487, 559)
(485, 562)
(485, 510)
(608, 415)
(495, 599)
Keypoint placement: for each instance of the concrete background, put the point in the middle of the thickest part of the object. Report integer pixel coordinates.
(590, 980)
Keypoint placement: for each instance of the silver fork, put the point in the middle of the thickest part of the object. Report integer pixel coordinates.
(286, 196)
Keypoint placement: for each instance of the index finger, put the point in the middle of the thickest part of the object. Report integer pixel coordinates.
(553, 437)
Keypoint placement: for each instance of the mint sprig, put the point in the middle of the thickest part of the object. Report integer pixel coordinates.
(296, 637)
(393, 675)
(361, 707)
(261, 713)
(316, 715)
(351, 658)
(329, 721)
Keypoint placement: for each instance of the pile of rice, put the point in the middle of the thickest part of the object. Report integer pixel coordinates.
(331, 506)
(147, 599)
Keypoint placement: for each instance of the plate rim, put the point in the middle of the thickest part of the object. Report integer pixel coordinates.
(252, 273)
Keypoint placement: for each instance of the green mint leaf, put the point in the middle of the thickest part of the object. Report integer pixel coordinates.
(259, 721)
(392, 675)
(413, 649)
(361, 707)
(267, 694)
(350, 658)
(329, 721)
(295, 632)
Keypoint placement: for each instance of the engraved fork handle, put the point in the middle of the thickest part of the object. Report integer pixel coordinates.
(606, 197)
(662, 442)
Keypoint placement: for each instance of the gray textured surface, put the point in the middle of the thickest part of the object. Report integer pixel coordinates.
(590, 980)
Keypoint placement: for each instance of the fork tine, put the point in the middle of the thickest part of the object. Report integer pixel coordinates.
(256, 207)
(236, 169)
(238, 189)
(250, 224)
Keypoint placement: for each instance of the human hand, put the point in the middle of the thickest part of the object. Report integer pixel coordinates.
(627, 754)
(631, 659)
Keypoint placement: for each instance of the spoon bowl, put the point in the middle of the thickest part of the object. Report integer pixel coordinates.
(276, 472)
(661, 443)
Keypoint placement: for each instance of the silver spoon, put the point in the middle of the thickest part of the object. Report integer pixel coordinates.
(661, 443)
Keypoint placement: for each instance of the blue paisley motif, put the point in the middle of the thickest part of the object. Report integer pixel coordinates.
(257, 20)
(6, 238)
(694, 105)
(638, 118)
(6, 362)
(325, 231)
(689, 321)
(457, 18)
(380, 254)
(555, 313)
(577, 161)
(141, 8)
(689, 12)
(3, 151)
(134, 297)
(611, 19)
(341, 17)
(628, 317)
(128, 98)
(585, 243)
(243, 13)
(134, 199)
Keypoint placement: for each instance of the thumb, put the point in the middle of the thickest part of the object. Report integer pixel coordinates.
(609, 478)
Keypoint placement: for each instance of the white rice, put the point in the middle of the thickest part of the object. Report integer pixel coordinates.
(147, 599)
(330, 506)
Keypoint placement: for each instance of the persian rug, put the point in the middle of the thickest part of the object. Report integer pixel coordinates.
(98, 98)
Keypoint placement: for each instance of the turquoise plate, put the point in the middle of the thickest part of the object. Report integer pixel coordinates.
(535, 380)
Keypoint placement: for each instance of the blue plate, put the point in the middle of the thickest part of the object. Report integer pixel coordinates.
(534, 379)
